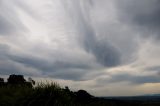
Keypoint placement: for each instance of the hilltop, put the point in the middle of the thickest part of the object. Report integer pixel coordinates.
(19, 92)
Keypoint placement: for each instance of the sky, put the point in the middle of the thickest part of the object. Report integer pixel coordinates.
(107, 47)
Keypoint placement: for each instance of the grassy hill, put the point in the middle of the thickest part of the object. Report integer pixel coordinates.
(22, 94)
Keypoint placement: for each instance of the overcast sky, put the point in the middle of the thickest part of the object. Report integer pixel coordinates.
(107, 47)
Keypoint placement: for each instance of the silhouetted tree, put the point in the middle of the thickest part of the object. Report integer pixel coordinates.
(16, 79)
(31, 81)
(83, 96)
(83, 93)
(67, 89)
(1, 82)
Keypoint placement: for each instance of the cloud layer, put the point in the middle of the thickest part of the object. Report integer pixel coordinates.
(85, 44)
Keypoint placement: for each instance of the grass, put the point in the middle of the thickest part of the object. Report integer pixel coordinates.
(51, 94)
(41, 95)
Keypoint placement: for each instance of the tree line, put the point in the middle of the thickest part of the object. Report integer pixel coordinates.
(17, 80)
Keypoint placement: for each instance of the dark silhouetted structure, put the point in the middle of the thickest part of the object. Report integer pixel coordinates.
(19, 80)
(16, 79)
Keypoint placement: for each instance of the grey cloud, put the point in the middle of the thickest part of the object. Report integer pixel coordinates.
(7, 66)
(30, 61)
(17, 62)
(108, 42)
(136, 79)
(104, 52)
(9, 19)
(4, 50)
(47, 65)
(153, 68)
(70, 74)
(143, 14)
(12, 63)
(132, 79)
(5, 27)
(63, 69)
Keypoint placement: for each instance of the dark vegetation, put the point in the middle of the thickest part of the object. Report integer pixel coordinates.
(19, 92)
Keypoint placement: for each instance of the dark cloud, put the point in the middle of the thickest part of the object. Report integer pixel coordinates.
(47, 65)
(18, 63)
(105, 54)
(13, 62)
(8, 66)
(143, 14)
